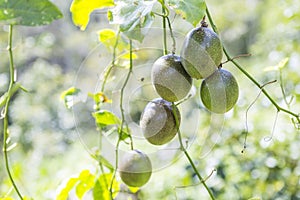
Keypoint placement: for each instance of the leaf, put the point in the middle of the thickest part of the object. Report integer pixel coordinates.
(133, 189)
(28, 12)
(87, 181)
(127, 56)
(124, 134)
(100, 98)
(255, 198)
(11, 92)
(105, 118)
(133, 16)
(63, 195)
(81, 10)
(84, 182)
(11, 147)
(192, 11)
(101, 191)
(97, 156)
(279, 66)
(3, 99)
(109, 38)
(68, 96)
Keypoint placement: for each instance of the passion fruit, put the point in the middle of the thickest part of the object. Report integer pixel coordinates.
(170, 79)
(135, 169)
(158, 121)
(201, 52)
(219, 92)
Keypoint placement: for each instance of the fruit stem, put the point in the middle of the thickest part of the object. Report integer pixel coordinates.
(214, 27)
(203, 22)
(187, 154)
(165, 48)
(165, 16)
(4, 113)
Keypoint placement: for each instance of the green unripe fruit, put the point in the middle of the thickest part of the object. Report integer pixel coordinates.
(170, 79)
(158, 122)
(219, 92)
(201, 52)
(135, 169)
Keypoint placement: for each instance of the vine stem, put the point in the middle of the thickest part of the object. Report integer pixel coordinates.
(120, 131)
(187, 154)
(108, 70)
(279, 108)
(5, 111)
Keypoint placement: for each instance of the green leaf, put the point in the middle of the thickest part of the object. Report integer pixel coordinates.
(124, 134)
(63, 195)
(68, 95)
(101, 191)
(192, 11)
(81, 10)
(133, 16)
(28, 12)
(105, 118)
(86, 182)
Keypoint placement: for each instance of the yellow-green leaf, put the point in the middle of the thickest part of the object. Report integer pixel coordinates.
(101, 191)
(81, 10)
(127, 56)
(105, 118)
(133, 189)
(67, 96)
(64, 193)
(113, 41)
(279, 66)
(86, 182)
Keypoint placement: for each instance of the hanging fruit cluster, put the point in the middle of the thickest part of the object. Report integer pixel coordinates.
(172, 78)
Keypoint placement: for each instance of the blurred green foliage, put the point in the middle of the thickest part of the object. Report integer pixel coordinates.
(49, 151)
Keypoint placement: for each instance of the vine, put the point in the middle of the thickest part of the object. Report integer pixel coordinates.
(12, 84)
(230, 59)
(120, 131)
(13, 11)
(130, 18)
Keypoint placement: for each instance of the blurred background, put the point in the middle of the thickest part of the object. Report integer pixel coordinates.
(52, 141)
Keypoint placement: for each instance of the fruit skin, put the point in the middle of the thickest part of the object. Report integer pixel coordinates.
(170, 79)
(219, 92)
(201, 52)
(158, 122)
(135, 169)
